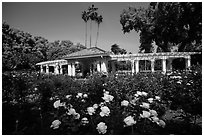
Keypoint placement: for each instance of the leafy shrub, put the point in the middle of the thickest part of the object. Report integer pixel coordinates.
(30, 95)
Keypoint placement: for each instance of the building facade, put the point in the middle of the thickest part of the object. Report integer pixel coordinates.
(88, 61)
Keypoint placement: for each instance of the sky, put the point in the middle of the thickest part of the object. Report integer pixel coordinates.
(62, 21)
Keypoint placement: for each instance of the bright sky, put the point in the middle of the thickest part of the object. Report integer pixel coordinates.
(62, 21)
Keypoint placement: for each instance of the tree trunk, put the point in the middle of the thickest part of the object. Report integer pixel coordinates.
(97, 36)
(90, 32)
(86, 36)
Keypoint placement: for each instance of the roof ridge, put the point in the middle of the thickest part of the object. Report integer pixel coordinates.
(86, 52)
(98, 49)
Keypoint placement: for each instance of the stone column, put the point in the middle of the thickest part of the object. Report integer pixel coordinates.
(188, 62)
(73, 69)
(56, 68)
(69, 70)
(152, 65)
(137, 66)
(47, 68)
(133, 66)
(98, 66)
(104, 65)
(60, 69)
(164, 65)
(113, 67)
(41, 68)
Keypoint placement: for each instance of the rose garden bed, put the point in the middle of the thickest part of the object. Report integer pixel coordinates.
(149, 103)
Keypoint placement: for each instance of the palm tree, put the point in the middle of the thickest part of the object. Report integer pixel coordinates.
(85, 17)
(92, 14)
(98, 20)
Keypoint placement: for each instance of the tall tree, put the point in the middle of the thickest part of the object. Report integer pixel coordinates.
(85, 17)
(99, 20)
(92, 14)
(167, 24)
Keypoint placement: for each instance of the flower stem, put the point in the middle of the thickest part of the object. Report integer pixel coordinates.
(132, 129)
(144, 126)
(16, 128)
(41, 119)
(92, 124)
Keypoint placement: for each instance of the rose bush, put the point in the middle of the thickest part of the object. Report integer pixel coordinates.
(102, 104)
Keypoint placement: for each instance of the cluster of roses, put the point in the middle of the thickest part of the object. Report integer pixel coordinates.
(146, 113)
(104, 110)
(70, 111)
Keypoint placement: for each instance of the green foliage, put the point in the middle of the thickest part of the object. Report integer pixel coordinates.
(166, 24)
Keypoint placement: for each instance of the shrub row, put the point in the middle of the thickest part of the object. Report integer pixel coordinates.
(28, 100)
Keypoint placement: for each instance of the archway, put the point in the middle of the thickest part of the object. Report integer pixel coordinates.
(145, 65)
(178, 64)
(158, 65)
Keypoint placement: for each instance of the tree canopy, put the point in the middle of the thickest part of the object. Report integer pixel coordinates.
(168, 24)
(57, 49)
(21, 50)
(92, 14)
(117, 50)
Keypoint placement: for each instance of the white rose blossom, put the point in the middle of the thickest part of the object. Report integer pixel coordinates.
(102, 128)
(124, 103)
(129, 121)
(107, 97)
(105, 111)
(144, 93)
(84, 121)
(91, 110)
(188, 84)
(57, 104)
(55, 124)
(157, 97)
(95, 106)
(136, 95)
(85, 96)
(145, 105)
(71, 111)
(145, 114)
(139, 93)
(153, 113)
(150, 100)
(79, 95)
(68, 96)
(155, 119)
(161, 123)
